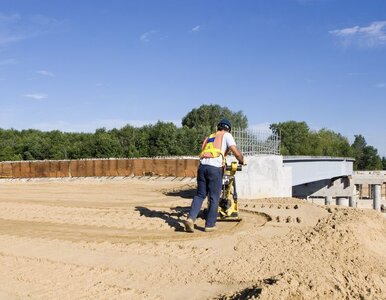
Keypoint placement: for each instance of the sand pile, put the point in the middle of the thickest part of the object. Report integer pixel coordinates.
(342, 257)
(124, 239)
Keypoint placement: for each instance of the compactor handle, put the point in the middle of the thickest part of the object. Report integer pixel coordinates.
(233, 167)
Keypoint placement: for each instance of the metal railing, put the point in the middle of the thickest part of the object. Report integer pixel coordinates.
(257, 141)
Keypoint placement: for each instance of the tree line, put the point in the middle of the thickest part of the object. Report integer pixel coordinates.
(166, 139)
(298, 139)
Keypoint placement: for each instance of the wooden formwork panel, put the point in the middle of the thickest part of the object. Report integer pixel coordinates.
(148, 167)
(180, 167)
(171, 167)
(25, 169)
(53, 168)
(64, 168)
(160, 167)
(78, 168)
(16, 169)
(6, 170)
(90, 171)
(138, 167)
(98, 168)
(191, 167)
(39, 169)
(102, 167)
(123, 167)
(113, 168)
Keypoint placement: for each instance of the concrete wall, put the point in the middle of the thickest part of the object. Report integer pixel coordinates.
(264, 176)
(307, 169)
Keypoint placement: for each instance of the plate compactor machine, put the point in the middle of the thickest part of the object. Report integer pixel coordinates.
(228, 209)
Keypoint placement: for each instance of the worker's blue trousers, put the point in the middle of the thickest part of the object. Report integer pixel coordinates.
(209, 182)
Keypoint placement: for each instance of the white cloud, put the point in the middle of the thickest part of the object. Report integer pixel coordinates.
(148, 36)
(45, 73)
(355, 74)
(196, 28)
(36, 96)
(381, 85)
(10, 61)
(15, 28)
(366, 37)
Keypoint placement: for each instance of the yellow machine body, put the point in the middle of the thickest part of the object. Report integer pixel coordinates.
(228, 206)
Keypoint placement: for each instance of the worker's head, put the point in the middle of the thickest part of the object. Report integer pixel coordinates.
(224, 124)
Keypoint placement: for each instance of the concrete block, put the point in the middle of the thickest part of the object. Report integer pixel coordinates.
(264, 176)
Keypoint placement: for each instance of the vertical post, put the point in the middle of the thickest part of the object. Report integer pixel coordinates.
(377, 197)
(327, 200)
(352, 201)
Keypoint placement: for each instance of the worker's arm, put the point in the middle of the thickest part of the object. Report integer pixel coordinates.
(237, 154)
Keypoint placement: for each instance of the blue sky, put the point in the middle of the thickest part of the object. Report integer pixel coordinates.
(82, 65)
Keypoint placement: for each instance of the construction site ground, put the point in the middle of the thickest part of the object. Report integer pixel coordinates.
(123, 238)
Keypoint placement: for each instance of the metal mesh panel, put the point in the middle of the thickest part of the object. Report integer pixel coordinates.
(257, 141)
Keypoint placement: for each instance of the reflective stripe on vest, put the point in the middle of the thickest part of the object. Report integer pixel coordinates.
(212, 146)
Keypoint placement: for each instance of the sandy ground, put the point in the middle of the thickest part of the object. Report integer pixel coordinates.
(124, 239)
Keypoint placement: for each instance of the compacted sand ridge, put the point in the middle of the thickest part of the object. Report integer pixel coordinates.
(123, 238)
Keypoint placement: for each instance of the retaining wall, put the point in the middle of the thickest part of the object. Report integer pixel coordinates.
(99, 168)
(263, 176)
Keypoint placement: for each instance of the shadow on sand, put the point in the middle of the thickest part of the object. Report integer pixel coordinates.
(186, 194)
(173, 219)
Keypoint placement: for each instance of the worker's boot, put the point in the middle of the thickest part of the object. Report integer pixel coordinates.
(210, 229)
(189, 225)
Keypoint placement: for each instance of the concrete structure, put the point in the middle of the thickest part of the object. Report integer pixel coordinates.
(306, 169)
(375, 180)
(321, 176)
(264, 176)
(333, 177)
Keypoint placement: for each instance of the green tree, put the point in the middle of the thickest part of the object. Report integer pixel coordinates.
(208, 116)
(366, 157)
(105, 145)
(162, 140)
(329, 143)
(384, 163)
(127, 137)
(295, 137)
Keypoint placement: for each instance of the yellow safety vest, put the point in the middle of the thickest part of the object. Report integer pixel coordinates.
(212, 146)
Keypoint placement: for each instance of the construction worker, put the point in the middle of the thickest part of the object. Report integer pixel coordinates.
(210, 173)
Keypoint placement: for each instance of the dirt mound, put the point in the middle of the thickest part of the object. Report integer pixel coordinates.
(342, 257)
